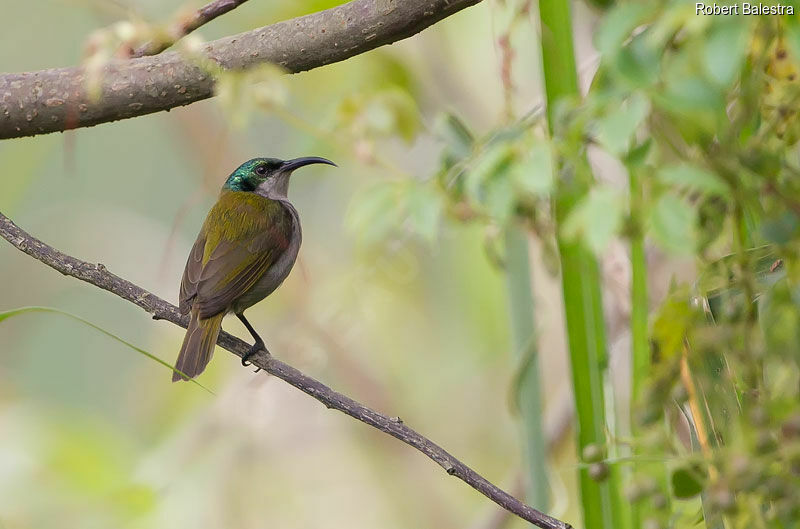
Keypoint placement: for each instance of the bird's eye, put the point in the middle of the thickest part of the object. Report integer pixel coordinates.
(261, 169)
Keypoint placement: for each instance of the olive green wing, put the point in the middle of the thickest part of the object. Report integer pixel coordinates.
(242, 237)
(191, 274)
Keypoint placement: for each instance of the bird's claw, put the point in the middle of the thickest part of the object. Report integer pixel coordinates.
(253, 350)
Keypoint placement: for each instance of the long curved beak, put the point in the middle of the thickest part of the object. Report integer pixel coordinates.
(296, 163)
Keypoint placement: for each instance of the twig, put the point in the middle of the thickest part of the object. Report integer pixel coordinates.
(96, 274)
(59, 99)
(697, 414)
(202, 16)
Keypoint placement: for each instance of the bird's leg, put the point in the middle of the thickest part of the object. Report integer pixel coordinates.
(256, 346)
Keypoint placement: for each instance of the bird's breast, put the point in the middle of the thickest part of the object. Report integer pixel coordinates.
(278, 271)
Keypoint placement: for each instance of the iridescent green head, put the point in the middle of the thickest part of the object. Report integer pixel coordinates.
(268, 177)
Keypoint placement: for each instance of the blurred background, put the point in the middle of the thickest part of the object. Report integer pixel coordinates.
(93, 434)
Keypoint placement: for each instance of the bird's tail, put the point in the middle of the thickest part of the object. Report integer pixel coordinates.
(198, 345)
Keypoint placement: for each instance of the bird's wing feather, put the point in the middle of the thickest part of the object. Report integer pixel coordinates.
(241, 238)
(191, 274)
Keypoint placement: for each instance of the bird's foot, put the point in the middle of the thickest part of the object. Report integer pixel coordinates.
(253, 350)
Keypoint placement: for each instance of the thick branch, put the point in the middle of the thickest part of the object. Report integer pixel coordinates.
(57, 99)
(96, 274)
(205, 14)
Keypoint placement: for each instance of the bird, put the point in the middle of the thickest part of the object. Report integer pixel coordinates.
(246, 247)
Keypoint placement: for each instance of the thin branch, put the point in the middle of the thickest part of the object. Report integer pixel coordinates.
(58, 99)
(202, 16)
(96, 274)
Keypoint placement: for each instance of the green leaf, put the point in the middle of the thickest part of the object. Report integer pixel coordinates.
(690, 94)
(672, 222)
(457, 136)
(712, 211)
(499, 199)
(687, 482)
(617, 26)
(694, 178)
(24, 310)
(425, 208)
(637, 156)
(725, 50)
(638, 62)
(492, 164)
(489, 183)
(671, 322)
(534, 173)
(596, 218)
(614, 130)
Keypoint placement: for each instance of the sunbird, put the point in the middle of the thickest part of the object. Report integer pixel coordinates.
(247, 246)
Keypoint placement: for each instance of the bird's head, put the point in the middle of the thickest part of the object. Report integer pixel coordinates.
(268, 177)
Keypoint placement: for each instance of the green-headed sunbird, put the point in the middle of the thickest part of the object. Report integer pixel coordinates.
(246, 248)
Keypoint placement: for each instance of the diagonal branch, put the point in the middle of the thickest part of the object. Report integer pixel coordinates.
(96, 274)
(205, 14)
(58, 99)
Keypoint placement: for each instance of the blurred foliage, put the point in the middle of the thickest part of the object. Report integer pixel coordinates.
(437, 162)
(241, 93)
(721, 150)
(705, 107)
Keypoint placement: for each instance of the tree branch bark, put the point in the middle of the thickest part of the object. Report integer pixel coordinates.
(57, 99)
(99, 276)
(202, 16)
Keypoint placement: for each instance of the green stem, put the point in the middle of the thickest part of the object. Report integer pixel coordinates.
(587, 359)
(601, 502)
(640, 350)
(528, 386)
(639, 347)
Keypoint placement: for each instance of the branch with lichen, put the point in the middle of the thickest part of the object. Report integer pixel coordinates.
(60, 99)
